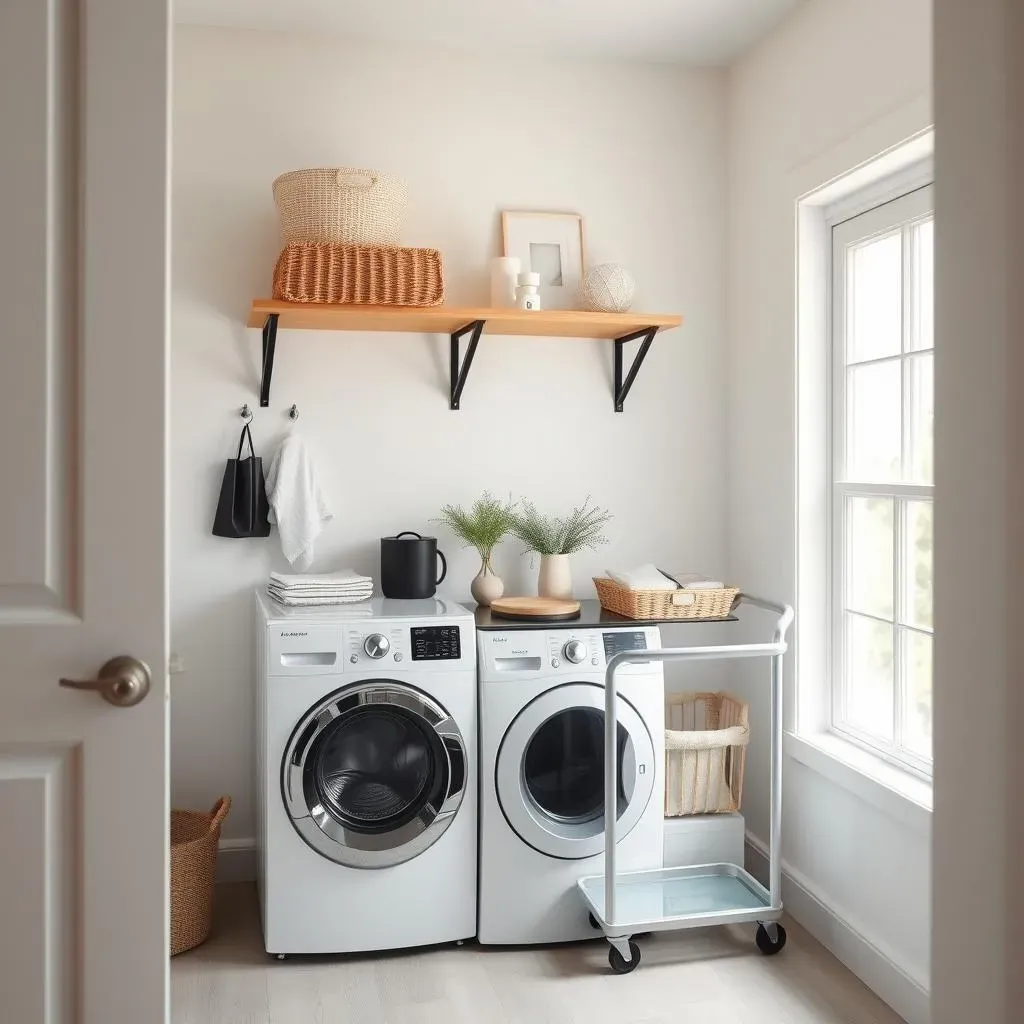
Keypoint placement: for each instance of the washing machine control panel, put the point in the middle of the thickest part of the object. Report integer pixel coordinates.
(396, 643)
(436, 643)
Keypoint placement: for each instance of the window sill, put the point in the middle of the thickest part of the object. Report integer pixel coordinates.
(898, 793)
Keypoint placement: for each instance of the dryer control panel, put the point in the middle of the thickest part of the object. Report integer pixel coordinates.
(585, 652)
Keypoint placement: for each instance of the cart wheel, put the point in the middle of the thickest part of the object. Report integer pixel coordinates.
(279, 956)
(593, 922)
(764, 942)
(621, 966)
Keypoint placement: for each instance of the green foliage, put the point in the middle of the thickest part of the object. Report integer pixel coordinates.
(553, 535)
(486, 522)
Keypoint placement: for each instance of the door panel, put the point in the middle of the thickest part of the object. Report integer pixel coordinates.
(37, 886)
(38, 293)
(83, 351)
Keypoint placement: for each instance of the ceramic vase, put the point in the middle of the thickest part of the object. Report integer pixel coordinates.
(504, 274)
(555, 579)
(486, 586)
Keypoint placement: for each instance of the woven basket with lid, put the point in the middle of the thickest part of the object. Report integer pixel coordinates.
(194, 839)
(349, 205)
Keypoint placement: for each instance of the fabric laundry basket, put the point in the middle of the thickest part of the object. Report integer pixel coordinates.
(194, 839)
(705, 752)
(347, 205)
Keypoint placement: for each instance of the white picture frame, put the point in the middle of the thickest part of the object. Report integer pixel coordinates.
(550, 244)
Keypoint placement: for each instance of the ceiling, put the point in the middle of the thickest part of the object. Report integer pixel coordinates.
(704, 32)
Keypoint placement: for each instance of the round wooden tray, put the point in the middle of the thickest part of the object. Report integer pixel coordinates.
(525, 609)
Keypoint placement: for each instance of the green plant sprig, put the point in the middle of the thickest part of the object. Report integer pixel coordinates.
(483, 526)
(553, 535)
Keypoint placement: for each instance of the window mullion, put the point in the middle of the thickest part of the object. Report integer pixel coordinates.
(899, 519)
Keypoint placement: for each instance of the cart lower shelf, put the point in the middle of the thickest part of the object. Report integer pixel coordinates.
(682, 897)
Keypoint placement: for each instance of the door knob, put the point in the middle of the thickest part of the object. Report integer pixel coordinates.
(123, 682)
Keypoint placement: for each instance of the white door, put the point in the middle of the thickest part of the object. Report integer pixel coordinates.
(83, 409)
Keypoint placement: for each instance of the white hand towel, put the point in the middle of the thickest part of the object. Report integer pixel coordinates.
(299, 602)
(297, 504)
(343, 577)
(643, 577)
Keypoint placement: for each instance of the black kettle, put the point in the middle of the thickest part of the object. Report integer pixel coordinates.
(408, 563)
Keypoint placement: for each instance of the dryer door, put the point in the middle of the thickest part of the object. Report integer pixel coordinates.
(550, 771)
(374, 774)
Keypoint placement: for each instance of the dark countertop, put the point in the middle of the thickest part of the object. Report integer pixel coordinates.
(592, 615)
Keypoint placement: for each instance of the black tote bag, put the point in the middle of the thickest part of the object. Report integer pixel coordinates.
(242, 508)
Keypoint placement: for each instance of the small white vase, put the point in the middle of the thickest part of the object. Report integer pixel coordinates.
(555, 579)
(486, 586)
(504, 274)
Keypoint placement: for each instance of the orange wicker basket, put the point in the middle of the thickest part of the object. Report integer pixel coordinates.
(665, 604)
(194, 839)
(367, 274)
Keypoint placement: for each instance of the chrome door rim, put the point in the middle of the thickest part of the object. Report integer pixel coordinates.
(532, 826)
(348, 846)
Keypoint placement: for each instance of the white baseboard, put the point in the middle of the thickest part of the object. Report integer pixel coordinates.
(868, 958)
(236, 860)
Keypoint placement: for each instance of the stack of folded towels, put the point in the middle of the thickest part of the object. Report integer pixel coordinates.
(344, 587)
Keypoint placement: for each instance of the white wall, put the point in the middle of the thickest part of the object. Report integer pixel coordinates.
(638, 150)
(978, 944)
(833, 86)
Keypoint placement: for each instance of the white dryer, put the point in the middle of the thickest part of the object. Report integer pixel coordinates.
(367, 775)
(542, 775)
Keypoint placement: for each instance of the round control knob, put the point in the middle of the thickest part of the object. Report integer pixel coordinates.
(376, 645)
(574, 651)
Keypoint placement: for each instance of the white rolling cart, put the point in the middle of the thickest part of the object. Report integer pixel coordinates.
(626, 904)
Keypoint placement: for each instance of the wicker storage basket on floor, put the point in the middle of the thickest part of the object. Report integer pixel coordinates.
(340, 204)
(194, 839)
(706, 739)
(665, 604)
(368, 274)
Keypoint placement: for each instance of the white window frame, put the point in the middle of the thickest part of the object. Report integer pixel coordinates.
(867, 214)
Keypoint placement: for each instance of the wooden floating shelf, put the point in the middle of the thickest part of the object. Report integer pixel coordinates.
(458, 321)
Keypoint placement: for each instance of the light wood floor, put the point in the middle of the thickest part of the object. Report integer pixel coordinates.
(712, 976)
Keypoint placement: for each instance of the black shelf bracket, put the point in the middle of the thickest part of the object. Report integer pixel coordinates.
(460, 373)
(269, 345)
(622, 386)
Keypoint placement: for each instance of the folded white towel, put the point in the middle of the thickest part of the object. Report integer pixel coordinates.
(299, 602)
(643, 577)
(695, 581)
(322, 591)
(297, 503)
(343, 577)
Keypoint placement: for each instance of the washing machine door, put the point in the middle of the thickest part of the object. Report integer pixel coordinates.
(374, 774)
(550, 771)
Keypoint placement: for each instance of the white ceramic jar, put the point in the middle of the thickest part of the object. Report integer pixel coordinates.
(528, 292)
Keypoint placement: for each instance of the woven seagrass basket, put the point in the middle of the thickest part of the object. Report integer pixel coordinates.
(194, 839)
(665, 604)
(368, 274)
(348, 205)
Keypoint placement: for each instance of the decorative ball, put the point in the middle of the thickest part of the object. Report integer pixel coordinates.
(607, 288)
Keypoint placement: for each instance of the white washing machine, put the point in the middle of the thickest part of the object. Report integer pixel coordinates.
(542, 773)
(367, 775)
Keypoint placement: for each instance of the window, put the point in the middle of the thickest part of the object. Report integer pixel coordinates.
(881, 482)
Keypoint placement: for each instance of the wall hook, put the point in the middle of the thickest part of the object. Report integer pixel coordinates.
(293, 413)
(246, 413)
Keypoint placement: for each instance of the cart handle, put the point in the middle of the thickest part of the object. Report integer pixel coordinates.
(775, 649)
